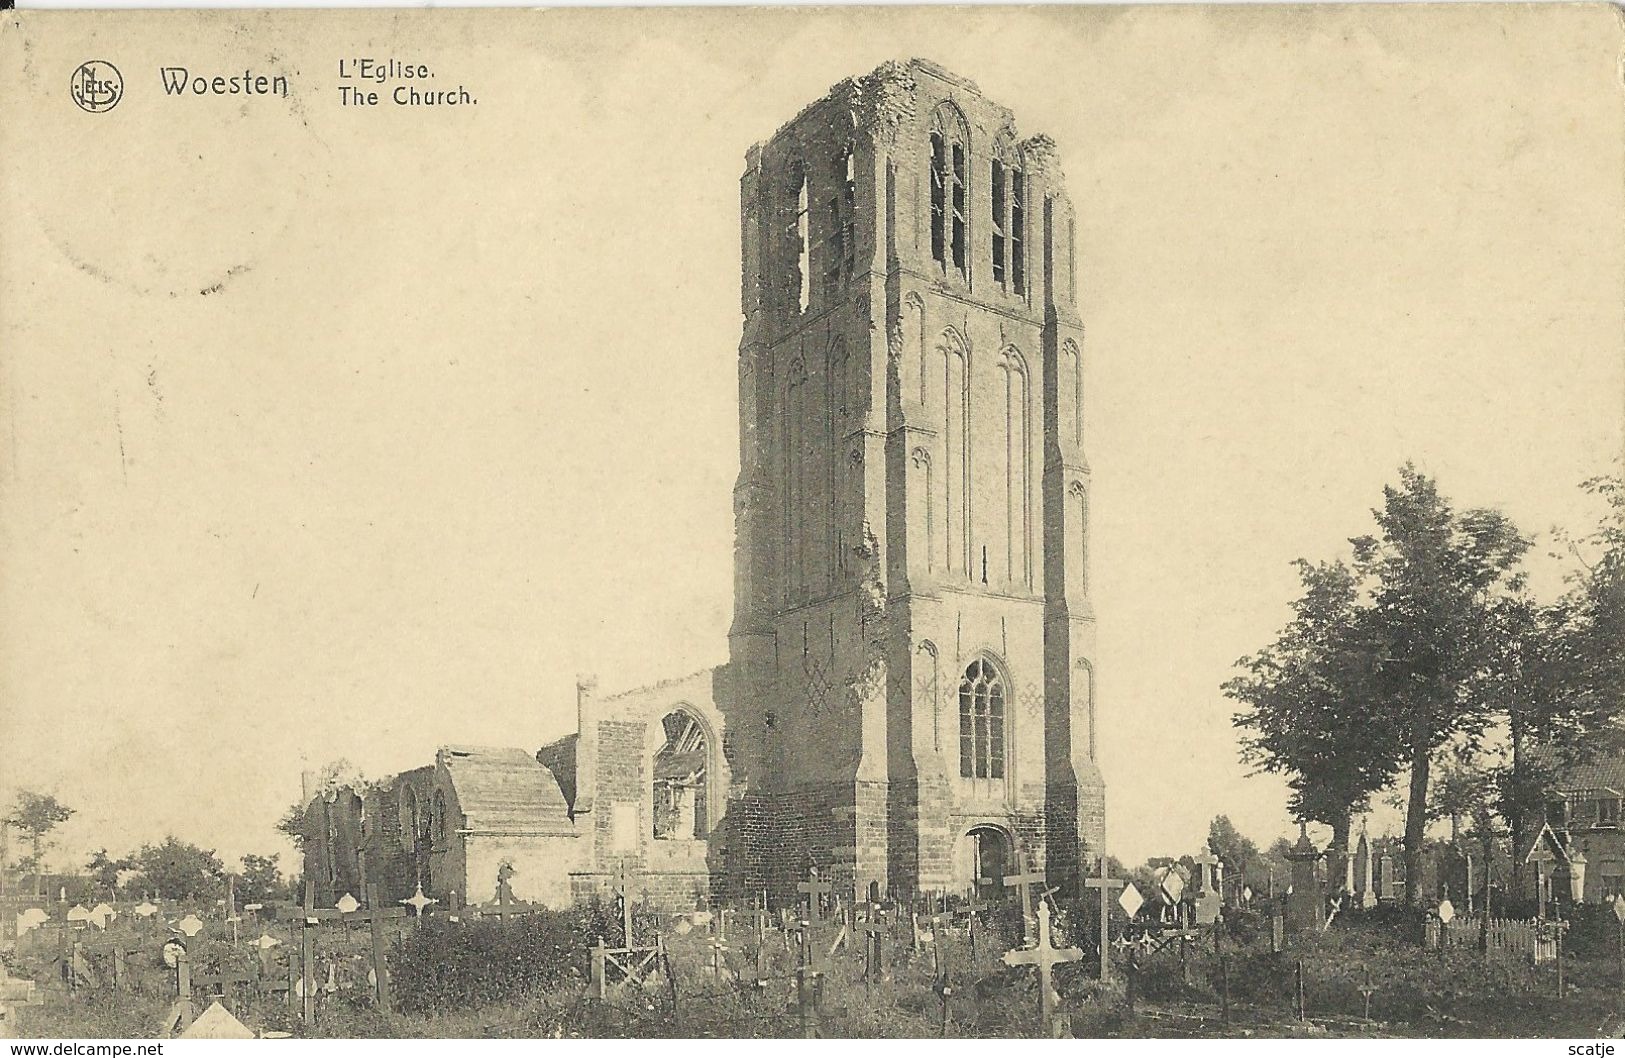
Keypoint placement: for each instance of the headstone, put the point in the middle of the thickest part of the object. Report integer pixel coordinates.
(1209, 901)
(1364, 890)
(1305, 906)
(1388, 892)
(31, 918)
(216, 1023)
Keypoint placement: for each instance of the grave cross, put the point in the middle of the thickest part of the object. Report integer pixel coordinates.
(814, 890)
(1105, 884)
(719, 941)
(117, 952)
(506, 904)
(224, 982)
(973, 907)
(310, 918)
(1025, 876)
(760, 920)
(873, 927)
(374, 915)
(623, 889)
(1046, 957)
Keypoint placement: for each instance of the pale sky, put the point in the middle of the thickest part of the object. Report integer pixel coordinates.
(458, 422)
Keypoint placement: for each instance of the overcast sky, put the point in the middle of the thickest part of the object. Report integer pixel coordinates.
(342, 434)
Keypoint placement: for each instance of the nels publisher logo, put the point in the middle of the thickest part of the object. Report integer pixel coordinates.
(97, 86)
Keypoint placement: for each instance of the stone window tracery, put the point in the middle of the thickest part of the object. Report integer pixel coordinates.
(981, 722)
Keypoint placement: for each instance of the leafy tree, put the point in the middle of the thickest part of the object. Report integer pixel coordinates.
(178, 870)
(261, 880)
(1435, 575)
(1310, 708)
(36, 815)
(105, 871)
(1238, 852)
(1277, 867)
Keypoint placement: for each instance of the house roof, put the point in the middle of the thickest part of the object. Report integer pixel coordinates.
(1602, 772)
(504, 790)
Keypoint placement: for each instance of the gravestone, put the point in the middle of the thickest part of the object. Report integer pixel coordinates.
(1305, 904)
(1209, 902)
(1388, 890)
(1364, 891)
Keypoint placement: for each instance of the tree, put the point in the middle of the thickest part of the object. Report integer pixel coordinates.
(261, 880)
(105, 871)
(1236, 850)
(1310, 709)
(178, 870)
(1434, 574)
(36, 815)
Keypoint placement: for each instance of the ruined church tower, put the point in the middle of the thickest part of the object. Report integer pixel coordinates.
(910, 696)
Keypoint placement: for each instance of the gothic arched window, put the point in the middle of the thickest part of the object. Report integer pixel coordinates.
(1008, 201)
(440, 817)
(798, 236)
(981, 722)
(949, 154)
(681, 811)
(840, 239)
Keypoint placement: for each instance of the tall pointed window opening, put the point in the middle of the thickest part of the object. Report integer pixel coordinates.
(981, 722)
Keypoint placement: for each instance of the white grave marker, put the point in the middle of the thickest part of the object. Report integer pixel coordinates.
(1130, 900)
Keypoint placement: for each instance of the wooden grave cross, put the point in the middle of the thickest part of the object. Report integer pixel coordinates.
(844, 918)
(1045, 957)
(117, 952)
(941, 983)
(760, 920)
(974, 907)
(375, 914)
(1105, 884)
(231, 907)
(809, 978)
(873, 927)
(635, 962)
(814, 890)
(1024, 877)
(506, 904)
(719, 941)
(225, 981)
(623, 889)
(310, 919)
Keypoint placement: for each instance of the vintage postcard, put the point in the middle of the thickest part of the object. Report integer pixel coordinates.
(779, 522)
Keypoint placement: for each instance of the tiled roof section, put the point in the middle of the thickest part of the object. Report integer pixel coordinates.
(504, 790)
(1604, 771)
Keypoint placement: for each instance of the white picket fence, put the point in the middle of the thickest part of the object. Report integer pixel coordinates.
(1508, 937)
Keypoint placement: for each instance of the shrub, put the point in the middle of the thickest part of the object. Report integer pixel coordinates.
(448, 966)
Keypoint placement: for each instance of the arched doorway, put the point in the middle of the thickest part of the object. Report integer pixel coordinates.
(987, 860)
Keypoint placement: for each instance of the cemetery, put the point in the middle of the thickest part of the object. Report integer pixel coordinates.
(1010, 957)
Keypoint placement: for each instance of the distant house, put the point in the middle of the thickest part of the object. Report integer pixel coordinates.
(1581, 815)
